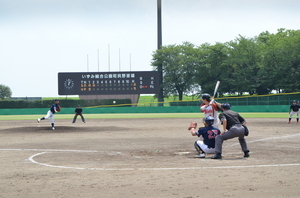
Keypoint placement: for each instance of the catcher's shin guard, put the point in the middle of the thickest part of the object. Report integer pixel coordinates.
(198, 149)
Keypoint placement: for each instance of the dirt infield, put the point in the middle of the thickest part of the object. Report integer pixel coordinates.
(144, 158)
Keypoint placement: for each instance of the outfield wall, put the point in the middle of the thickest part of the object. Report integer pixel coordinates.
(171, 109)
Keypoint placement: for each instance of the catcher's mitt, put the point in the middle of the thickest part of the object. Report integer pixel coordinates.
(192, 125)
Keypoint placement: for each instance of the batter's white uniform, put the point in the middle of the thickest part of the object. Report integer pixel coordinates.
(211, 110)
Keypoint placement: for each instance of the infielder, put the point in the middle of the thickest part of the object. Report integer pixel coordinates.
(233, 122)
(50, 114)
(294, 109)
(208, 133)
(210, 109)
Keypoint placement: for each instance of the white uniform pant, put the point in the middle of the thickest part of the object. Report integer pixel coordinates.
(293, 113)
(50, 115)
(205, 148)
(216, 124)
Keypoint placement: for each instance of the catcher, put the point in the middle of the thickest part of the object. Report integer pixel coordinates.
(209, 132)
(50, 114)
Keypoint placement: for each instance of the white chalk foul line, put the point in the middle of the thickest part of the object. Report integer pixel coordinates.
(156, 169)
(266, 139)
(53, 150)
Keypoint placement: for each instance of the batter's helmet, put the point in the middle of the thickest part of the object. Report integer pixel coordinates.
(206, 96)
(225, 106)
(209, 120)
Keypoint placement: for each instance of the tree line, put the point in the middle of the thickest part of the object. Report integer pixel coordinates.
(5, 91)
(256, 65)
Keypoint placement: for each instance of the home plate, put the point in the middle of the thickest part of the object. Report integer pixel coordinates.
(182, 153)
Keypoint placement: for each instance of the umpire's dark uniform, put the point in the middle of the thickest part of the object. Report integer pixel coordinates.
(235, 128)
(78, 112)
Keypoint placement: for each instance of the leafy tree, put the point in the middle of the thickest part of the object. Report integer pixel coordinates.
(244, 59)
(178, 66)
(281, 59)
(5, 92)
(255, 65)
(212, 66)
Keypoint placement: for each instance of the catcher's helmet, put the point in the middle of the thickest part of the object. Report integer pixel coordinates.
(206, 96)
(209, 120)
(225, 106)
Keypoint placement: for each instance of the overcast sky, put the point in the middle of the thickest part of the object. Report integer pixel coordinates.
(39, 38)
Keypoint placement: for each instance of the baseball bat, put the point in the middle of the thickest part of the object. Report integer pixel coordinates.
(215, 91)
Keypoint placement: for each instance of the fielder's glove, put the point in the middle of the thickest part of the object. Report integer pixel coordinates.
(192, 125)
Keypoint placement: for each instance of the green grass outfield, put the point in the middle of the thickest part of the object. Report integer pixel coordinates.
(140, 115)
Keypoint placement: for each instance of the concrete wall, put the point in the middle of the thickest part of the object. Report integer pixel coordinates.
(134, 97)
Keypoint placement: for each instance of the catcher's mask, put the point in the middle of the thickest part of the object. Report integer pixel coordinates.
(225, 106)
(209, 120)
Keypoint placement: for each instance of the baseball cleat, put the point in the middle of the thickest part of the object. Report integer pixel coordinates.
(38, 120)
(246, 154)
(53, 128)
(202, 155)
(288, 122)
(217, 156)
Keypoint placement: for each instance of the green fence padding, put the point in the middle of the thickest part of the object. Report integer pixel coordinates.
(171, 109)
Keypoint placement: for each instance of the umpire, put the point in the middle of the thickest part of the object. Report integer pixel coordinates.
(78, 112)
(235, 124)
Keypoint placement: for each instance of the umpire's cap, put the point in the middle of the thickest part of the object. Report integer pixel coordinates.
(225, 106)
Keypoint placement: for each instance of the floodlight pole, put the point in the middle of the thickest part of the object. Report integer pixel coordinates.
(159, 45)
(87, 62)
(98, 58)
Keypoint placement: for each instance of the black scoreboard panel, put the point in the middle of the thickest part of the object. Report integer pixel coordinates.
(108, 83)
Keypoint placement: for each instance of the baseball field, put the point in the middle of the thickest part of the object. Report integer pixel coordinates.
(143, 157)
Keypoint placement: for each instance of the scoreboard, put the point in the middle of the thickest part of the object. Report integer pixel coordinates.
(108, 83)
